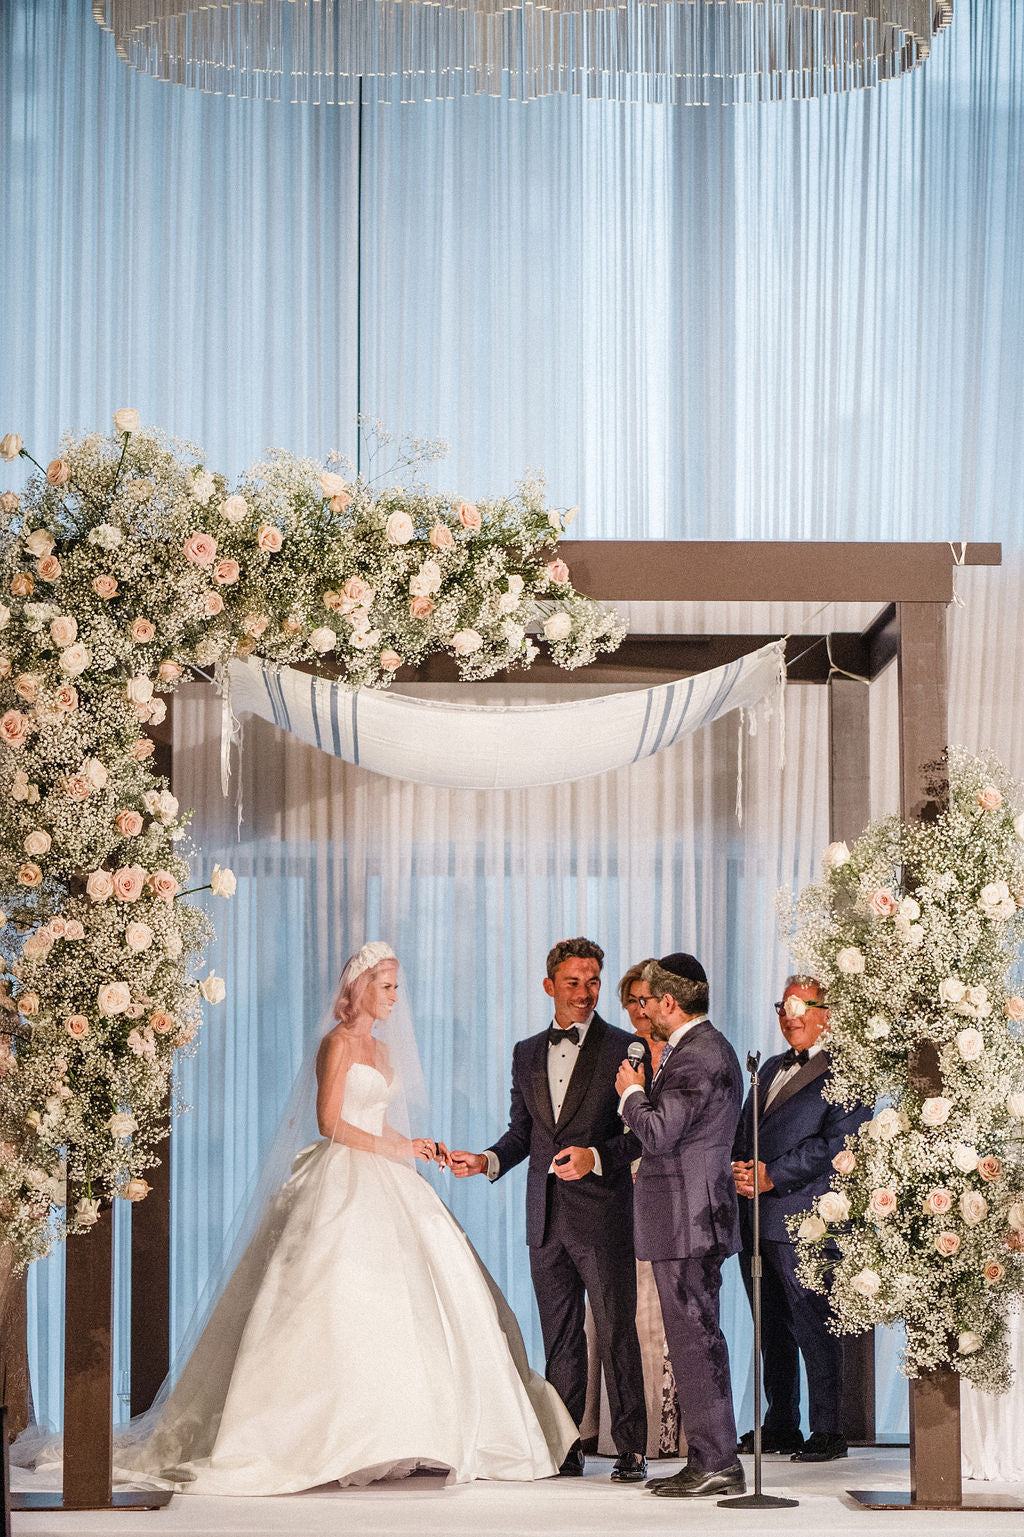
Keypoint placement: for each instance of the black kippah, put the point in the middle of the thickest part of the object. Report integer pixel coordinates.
(680, 964)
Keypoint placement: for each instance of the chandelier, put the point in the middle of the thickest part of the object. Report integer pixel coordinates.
(689, 52)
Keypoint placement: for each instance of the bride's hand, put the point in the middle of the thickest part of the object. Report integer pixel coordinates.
(425, 1148)
(444, 1157)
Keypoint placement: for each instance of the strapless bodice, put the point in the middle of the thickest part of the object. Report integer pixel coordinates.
(367, 1096)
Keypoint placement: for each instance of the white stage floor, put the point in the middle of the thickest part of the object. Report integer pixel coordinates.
(588, 1507)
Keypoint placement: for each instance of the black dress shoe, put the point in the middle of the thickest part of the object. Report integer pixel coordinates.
(772, 1441)
(821, 1446)
(630, 1468)
(694, 1484)
(572, 1467)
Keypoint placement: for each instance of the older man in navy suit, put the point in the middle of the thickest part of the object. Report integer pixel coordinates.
(800, 1135)
(579, 1198)
(685, 1210)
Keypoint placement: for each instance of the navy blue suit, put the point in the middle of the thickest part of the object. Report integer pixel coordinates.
(580, 1232)
(686, 1223)
(800, 1134)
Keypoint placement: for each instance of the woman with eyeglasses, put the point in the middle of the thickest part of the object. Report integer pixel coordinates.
(665, 1436)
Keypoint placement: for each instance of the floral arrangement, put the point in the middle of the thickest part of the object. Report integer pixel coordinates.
(915, 932)
(124, 562)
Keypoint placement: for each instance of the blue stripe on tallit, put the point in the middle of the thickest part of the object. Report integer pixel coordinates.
(681, 722)
(355, 728)
(643, 731)
(315, 712)
(334, 691)
(666, 712)
(729, 676)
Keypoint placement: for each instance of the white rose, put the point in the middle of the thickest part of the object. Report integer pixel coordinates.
(139, 689)
(970, 1044)
(39, 543)
(399, 528)
(365, 640)
(465, 642)
(1015, 1106)
(1015, 1216)
(811, 1229)
(836, 854)
(127, 419)
(203, 487)
(557, 626)
(87, 1212)
(833, 1206)
(951, 990)
(5, 616)
(213, 989)
(222, 882)
(995, 901)
(973, 1207)
(878, 1027)
(37, 946)
(965, 1157)
(138, 937)
(914, 935)
(516, 584)
(332, 485)
(1018, 824)
(555, 520)
(105, 535)
(234, 509)
(969, 1342)
(885, 1125)
(426, 581)
(75, 659)
(95, 773)
(323, 639)
(113, 998)
(936, 1111)
(122, 1125)
(37, 842)
(867, 1283)
(910, 909)
(569, 517)
(508, 603)
(850, 960)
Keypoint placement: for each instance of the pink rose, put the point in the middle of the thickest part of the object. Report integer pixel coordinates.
(200, 548)
(9, 502)
(441, 537)
(30, 874)
(113, 998)
(883, 903)
(58, 927)
(129, 882)
(48, 568)
(58, 472)
(163, 885)
(73, 929)
(142, 631)
(990, 1168)
(1015, 1007)
(989, 798)
(14, 728)
(421, 608)
(77, 1025)
(269, 538)
(26, 686)
(937, 1203)
(389, 660)
(331, 484)
(168, 671)
(465, 642)
(213, 603)
(105, 587)
(469, 516)
(66, 697)
(143, 749)
(136, 1190)
(334, 601)
(23, 584)
(99, 886)
(77, 787)
(226, 572)
(883, 1202)
(63, 630)
(28, 1003)
(128, 823)
(947, 1243)
(37, 843)
(254, 625)
(993, 1271)
(340, 502)
(357, 593)
(557, 571)
(291, 625)
(844, 1162)
(162, 1022)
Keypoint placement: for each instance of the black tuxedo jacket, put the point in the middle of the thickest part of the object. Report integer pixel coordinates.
(599, 1207)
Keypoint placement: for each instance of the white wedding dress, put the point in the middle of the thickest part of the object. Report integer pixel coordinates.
(359, 1337)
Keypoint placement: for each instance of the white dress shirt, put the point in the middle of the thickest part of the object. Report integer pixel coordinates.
(562, 1057)
(670, 1045)
(785, 1074)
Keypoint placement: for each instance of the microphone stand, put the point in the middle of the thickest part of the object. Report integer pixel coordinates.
(757, 1500)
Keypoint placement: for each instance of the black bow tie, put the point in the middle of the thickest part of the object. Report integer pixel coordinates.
(792, 1057)
(555, 1035)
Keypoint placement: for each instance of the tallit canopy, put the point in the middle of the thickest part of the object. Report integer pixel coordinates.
(501, 747)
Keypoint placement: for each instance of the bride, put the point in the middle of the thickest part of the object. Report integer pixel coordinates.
(360, 1336)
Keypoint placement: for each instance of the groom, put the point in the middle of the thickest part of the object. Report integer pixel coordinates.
(579, 1198)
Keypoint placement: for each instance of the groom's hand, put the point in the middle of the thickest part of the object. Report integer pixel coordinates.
(573, 1162)
(464, 1164)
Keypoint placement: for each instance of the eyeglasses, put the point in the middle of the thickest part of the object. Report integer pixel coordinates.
(632, 1003)
(780, 1008)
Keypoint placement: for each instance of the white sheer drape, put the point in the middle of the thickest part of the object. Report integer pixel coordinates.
(795, 321)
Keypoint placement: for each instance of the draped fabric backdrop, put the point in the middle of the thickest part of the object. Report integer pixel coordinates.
(779, 322)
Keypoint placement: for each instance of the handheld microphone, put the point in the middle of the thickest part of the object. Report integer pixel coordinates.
(635, 1053)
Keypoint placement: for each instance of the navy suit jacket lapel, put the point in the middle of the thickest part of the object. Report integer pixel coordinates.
(815, 1067)
(541, 1086)
(583, 1070)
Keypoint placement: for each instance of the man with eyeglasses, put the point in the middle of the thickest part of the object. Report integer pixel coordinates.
(800, 1134)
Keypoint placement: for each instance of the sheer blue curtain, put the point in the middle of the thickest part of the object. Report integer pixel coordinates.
(790, 321)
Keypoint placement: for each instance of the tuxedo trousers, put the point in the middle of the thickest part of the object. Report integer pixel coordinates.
(794, 1323)
(566, 1271)
(689, 1292)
